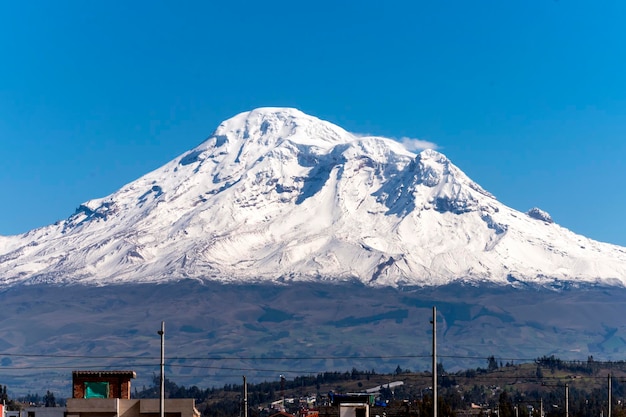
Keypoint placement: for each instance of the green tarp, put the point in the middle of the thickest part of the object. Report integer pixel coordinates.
(96, 390)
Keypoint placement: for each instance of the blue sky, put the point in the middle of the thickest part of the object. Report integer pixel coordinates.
(527, 97)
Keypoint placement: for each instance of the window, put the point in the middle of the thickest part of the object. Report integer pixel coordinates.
(96, 390)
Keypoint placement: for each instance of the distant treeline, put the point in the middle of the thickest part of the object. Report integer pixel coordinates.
(47, 400)
(227, 401)
(270, 388)
(497, 386)
(582, 367)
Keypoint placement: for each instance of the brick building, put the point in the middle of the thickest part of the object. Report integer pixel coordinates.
(102, 384)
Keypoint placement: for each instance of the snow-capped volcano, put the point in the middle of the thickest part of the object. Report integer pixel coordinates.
(277, 195)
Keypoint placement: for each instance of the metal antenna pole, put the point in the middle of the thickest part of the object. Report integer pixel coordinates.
(434, 322)
(162, 397)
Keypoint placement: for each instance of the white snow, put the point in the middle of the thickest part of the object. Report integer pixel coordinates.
(275, 194)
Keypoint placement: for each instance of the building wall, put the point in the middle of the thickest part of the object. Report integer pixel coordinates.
(354, 410)
(129, 408)
(114, 407)
(43, 412)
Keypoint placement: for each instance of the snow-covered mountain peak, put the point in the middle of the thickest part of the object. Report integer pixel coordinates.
(269, 125)
(244, 141)
(277, 195)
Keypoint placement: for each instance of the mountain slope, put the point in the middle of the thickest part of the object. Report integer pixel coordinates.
(276, 195)
(216, 333)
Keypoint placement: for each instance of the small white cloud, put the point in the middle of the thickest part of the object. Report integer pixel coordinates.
(417, 144)
(410, 144)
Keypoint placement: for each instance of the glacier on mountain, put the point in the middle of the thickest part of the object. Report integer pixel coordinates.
(275, 195)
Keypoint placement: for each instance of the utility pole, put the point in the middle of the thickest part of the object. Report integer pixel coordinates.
(162, 397)
(610, 396)
(245, 397)
(566, 400)
(434, 322)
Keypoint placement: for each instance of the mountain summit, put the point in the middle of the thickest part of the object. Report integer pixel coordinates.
(275, 195)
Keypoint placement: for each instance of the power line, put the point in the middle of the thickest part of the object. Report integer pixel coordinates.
(139, 361)
(216, 358)
(325, 357)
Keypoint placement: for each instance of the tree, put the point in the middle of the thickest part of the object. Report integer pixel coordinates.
(49, 400)
(539, 372)
(505, 405)
(492, 363)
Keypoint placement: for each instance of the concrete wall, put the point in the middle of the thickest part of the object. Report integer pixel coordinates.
(43, 412)
(114, 407)
(76, 406)
(354, 410)
(174, 407)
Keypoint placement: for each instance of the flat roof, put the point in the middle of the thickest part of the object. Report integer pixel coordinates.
(130, 374)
